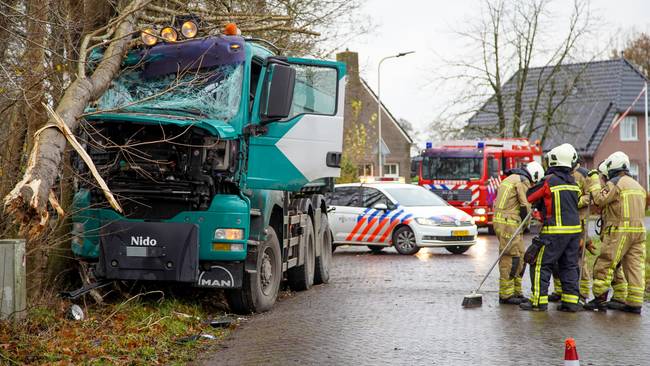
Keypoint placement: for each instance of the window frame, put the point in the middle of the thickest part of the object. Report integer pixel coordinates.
(626, 121)
(363, 166)
(336, 96)
(637, 172)
(396, 165)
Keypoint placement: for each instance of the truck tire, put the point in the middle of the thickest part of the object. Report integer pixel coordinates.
(491, 230)
(324, 261)
(404, 241)
(260, 290)
(301, 277)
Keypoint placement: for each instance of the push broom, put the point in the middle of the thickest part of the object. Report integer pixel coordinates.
(475, 299)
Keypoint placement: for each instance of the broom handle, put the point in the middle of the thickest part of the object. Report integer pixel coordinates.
(523, 222)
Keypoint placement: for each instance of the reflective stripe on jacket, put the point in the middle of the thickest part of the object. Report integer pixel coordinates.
(511, 196)
(623, 201)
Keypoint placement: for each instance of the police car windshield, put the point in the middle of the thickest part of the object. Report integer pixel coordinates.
(452, 168)
(414, 196)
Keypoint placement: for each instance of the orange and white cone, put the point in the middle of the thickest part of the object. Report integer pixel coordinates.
(571, 353)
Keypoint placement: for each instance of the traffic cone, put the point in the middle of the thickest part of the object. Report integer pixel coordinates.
(571, 353)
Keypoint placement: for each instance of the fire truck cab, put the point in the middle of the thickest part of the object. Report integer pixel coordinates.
(467, 173)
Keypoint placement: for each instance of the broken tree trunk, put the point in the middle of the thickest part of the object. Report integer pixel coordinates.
(27, 202)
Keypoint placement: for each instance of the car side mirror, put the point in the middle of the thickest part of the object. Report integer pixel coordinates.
(277, 92)
(380, 207)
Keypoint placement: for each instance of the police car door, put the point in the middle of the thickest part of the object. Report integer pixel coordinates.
(346, 202)
(307, 145)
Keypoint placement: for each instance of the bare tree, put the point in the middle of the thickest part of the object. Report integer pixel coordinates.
(510, 41)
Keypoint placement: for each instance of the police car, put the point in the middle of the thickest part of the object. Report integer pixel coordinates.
(405, 216)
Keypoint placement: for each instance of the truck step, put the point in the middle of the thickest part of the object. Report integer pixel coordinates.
(256, 212)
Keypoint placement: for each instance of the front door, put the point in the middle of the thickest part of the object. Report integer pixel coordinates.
(308, 144)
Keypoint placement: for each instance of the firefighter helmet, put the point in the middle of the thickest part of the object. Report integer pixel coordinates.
(535, 170)
(564, 155)
(617, 162)
(602, 168)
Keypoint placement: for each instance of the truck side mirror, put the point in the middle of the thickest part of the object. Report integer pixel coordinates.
(277, 92)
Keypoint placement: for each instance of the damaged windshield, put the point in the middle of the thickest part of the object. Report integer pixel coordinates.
(208, 93)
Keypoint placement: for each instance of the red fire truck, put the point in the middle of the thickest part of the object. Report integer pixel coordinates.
(467, 174)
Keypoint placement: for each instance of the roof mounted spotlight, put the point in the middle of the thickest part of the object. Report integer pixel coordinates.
(169, 34)
(189, 29)
(148, 37)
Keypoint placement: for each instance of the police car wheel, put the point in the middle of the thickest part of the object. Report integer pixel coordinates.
(260, 290)
(457, 249)
(302, 277)
(404, 241)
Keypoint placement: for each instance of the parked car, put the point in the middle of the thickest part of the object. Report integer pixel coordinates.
(405, 216)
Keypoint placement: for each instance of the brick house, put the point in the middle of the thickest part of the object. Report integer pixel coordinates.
(596, 94)
(361, 109)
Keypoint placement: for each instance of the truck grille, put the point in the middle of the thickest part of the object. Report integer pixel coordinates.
(463, 195)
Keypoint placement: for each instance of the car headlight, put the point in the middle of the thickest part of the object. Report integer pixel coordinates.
(229, 234)
(426, 221)
(479, 211)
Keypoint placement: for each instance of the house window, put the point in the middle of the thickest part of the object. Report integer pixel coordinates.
(365, 170)
(634, 170)
(391, 170)
(628, 129)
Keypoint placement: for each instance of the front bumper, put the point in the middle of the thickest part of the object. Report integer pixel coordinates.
(440, 236)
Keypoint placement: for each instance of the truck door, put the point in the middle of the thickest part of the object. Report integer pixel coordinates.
(307, 145)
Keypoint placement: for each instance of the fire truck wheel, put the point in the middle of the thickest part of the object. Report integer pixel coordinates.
(260, 290)
(302, 277)
(375, 248)
(324, 261)
(491, 230)
(457, 249)
(404, 241)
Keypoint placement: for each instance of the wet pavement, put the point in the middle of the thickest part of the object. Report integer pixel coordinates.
(406, 310)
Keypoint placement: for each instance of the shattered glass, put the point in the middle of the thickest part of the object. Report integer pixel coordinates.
(209, 93)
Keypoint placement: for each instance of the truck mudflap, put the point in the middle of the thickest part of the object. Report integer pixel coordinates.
(149, 251)
(221, 275)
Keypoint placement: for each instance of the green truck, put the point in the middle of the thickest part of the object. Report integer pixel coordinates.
(219, 151)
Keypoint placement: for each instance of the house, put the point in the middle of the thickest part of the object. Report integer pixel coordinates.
(361, 113)
(585, 100)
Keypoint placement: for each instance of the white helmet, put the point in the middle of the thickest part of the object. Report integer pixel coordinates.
(535, 170)
(617, 162)
(602, 168)
(564, 155)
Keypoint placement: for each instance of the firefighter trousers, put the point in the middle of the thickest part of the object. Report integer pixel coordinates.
(511, 265)
(625, 247)
(563, 249)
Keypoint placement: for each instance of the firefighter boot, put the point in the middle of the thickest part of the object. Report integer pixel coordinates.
(615, 304)
(528, 306)
(632, 309)
(569, 307)
(597, 304)
(512, 300)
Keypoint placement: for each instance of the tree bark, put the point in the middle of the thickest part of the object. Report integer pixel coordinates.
(27, 201)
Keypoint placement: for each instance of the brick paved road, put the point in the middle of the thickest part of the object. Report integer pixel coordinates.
(405, 310)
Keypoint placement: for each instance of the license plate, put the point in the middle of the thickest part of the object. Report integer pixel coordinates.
(460, 233)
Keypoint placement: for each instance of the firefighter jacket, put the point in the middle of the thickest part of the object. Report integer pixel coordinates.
(623, 202)
(556, 196)
(511, 197)
(587, 187)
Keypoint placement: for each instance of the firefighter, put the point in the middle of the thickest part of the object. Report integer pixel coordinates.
(624, 201)
(510, 208)
(619, 284)
(557, 198)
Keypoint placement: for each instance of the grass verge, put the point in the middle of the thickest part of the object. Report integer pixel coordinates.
(145, 329)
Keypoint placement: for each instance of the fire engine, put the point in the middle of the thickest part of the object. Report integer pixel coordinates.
(467, 173)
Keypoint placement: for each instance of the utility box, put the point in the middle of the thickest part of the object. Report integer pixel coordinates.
(13, 300)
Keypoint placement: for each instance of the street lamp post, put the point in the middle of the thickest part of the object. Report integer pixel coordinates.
(379, 157)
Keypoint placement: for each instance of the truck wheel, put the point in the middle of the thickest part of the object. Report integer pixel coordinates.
(457, 249)
(404, 241)
(324, 261)
(491, 230)
(302, 277)
(260, 290)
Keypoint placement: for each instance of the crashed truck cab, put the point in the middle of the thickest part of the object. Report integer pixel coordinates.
(209, 144)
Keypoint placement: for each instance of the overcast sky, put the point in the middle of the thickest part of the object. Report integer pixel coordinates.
(410, 85)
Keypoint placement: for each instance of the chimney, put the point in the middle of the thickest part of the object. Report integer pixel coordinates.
(351, 60)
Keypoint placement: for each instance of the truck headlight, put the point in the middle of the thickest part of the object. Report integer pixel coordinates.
(426, 221)
(229, 234)
(479, 211)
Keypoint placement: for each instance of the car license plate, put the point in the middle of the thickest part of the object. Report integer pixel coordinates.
(460, 233)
